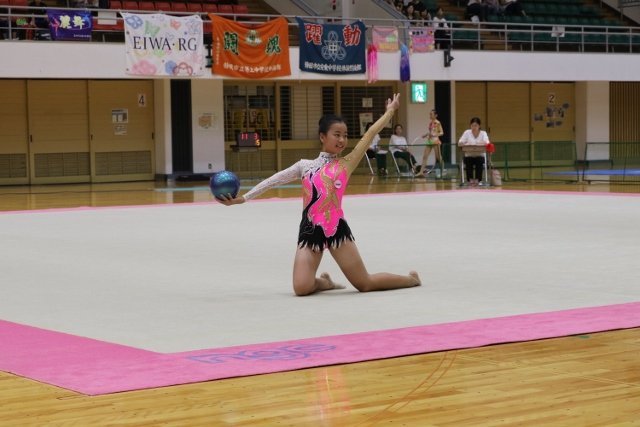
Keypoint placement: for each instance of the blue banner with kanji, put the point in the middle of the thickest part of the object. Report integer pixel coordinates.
(70, 24)
(332, 48)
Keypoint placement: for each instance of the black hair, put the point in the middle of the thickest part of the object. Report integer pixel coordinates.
(327, 120)
(368, 125)
(475, 120)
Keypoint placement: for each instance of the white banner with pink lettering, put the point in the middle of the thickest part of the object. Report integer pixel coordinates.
(163, 45)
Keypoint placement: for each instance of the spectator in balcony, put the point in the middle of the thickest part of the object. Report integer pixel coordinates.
(4, 24)
(493, 7)
(40, 21)
(87, 4)
(476, 11)
(441, 28)
(419, 9)
(410, 12)
(513, 8)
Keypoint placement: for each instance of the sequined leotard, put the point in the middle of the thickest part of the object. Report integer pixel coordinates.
(324, 181)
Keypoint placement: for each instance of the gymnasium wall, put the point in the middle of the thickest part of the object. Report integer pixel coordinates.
(107, 60)
(510, 79)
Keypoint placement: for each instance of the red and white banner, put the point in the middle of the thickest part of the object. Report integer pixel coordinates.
(250, 51)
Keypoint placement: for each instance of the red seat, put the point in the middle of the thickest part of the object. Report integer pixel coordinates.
(146, 5)
(130, 5)
(19, 3)
(178, 6)
(210, 8)
(241, 9)
(163, 6)
(115, 4)
(225, 8)
(194, 7)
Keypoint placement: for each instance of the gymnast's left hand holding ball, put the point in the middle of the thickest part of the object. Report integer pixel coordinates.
(228, 200)
(224, 186)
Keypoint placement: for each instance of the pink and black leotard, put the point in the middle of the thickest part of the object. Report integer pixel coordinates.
(324, 181)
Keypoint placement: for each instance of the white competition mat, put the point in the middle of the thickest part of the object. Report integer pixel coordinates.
(176, 278)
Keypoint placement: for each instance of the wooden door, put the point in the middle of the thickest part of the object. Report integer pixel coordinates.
(14, 146)
(121, 130)
(58, 131)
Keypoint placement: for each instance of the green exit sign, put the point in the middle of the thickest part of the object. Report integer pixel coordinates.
(419, 93)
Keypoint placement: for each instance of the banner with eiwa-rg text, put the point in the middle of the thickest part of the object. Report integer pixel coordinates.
(163, 45)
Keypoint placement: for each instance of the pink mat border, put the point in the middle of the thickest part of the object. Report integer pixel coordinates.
(94, 367)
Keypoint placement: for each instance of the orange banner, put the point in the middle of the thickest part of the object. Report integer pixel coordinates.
(250, 51)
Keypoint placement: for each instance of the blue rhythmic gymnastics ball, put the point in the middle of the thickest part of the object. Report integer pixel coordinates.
(224, 183)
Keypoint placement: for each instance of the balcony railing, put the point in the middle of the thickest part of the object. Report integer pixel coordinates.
(538, 35)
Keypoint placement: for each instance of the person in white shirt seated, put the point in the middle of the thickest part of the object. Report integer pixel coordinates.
(474, 143)
(400, 148)
(375, 152)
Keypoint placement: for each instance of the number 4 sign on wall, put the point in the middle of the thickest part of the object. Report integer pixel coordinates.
(142, 100)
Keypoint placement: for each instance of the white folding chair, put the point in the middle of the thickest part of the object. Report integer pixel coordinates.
(485, 181)
(398, 171)
(369, 163)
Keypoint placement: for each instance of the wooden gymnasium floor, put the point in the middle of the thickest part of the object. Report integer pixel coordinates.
(588, 380)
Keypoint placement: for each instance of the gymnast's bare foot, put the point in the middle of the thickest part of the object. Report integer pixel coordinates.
(331, 284)
(414, 274)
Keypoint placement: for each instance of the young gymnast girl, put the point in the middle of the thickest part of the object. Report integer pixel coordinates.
(324, 181)
(433, 141)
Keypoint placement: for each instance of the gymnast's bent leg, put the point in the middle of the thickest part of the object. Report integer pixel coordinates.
(305, 266)
(351, 264)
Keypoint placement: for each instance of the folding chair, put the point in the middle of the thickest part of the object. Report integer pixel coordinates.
(379, 153)
(369, 163)
(485, 180)
(401, 174)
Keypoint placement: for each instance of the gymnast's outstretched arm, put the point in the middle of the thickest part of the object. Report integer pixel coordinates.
(283, 177)
(352, 159)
